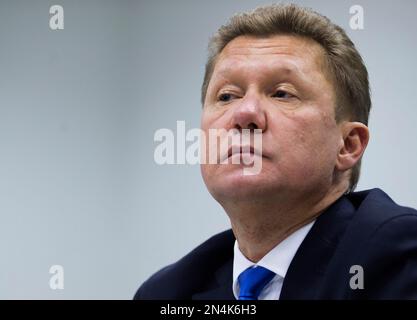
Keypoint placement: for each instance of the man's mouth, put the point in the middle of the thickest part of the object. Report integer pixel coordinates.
(242, 151)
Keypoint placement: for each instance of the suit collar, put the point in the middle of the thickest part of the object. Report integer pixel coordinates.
(222, 288)
(308, 267)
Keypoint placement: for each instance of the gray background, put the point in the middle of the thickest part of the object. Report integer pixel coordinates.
(78, 111)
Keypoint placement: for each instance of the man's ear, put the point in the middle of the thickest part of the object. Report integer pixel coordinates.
(355, 137)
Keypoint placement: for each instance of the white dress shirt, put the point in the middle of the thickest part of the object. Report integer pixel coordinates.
(277, 260)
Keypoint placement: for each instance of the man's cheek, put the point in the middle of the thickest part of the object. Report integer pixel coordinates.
(303, 150)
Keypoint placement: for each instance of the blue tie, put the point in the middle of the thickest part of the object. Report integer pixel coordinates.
(252, 281)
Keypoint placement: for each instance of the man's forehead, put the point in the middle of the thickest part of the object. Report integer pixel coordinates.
(273, 48)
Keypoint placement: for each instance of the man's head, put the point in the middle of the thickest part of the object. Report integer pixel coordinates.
(296, 76)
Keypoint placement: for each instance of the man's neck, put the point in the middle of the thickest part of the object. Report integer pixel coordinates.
(259, 226)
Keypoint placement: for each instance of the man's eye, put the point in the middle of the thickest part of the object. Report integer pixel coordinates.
(225, 97)
(282, 94)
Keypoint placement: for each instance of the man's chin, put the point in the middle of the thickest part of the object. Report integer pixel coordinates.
(237, 185)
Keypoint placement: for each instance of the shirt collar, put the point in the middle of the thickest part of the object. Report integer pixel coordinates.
(277, 260)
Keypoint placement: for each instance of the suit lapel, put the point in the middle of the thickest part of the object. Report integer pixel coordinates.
(307, 269)
(222, 288)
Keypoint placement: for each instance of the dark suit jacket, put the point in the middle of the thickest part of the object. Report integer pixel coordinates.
(363, 228)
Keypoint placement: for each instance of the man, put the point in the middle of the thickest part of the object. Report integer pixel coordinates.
(298, 229)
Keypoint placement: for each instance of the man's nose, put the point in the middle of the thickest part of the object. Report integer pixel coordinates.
(249, 114)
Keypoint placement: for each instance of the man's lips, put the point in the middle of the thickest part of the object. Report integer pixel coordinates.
(242, 150)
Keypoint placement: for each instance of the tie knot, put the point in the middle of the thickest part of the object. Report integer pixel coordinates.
(252, 281)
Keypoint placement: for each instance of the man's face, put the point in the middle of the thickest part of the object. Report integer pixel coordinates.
(276, 84)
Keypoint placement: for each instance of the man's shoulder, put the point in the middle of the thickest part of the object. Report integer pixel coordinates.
(375, 214)
(192, 272)
(375, 209)
(382, 239)
(365, 230)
